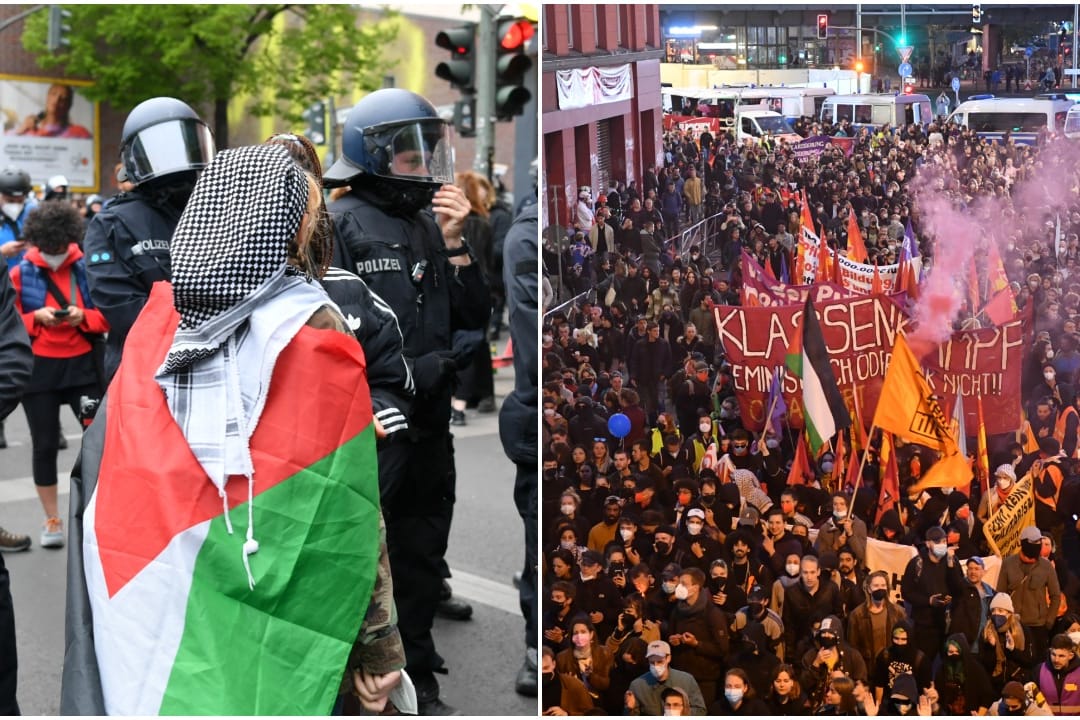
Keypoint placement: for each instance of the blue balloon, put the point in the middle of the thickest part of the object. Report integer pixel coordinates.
(618, 425)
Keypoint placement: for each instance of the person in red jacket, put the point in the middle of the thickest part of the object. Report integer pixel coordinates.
(53, 297)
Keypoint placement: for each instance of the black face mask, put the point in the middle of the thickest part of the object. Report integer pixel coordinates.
(952, 659)
(879, 595)
(662, 547)
(707, 500)
(397, 197)
(827, 641)
(1031, 550)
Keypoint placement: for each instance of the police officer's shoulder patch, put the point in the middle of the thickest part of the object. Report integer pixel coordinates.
(100, 258)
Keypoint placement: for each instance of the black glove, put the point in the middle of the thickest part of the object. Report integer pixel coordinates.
(433, 371)
(466, 344)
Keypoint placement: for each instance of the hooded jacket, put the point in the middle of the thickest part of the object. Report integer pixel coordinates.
(813, 677)
(709, 625)
(1061, 688)
(802, 610)
(965, 687)
(896, 660)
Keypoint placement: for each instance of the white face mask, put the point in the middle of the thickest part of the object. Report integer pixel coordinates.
(1049, 356)
(12, 210)
(566, 544)
(1049, 375)
(693, 528)
(681, 592)
(626, 534)
(792, 569)
(947, 490)
(669, 587)
(1004, 483)
(567, 509)
(705, 428)
(1075, 637)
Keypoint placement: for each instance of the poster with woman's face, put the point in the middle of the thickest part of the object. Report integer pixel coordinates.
(49, 128)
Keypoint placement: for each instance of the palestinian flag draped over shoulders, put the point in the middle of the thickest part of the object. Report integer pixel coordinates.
(177, 630)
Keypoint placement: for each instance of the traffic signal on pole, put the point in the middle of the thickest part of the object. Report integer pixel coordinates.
(512, 66)
(315, 117)
(822, 26)
(460, 69)
(58, 28)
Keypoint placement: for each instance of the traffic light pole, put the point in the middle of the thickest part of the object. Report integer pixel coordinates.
(485, 90)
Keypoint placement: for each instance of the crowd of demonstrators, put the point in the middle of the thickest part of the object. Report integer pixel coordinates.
(680, 569)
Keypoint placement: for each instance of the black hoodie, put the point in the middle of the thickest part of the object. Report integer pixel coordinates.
(896, 660)
(963, 686)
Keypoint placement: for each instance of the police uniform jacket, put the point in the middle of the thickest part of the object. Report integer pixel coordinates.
(403, 261)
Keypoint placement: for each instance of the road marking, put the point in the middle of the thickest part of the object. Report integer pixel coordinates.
(19, 489)
(474, 588)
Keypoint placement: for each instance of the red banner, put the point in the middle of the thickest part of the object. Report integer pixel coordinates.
(696, 125)
(859, 334)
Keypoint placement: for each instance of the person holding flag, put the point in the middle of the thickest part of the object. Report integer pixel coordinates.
(243, 513)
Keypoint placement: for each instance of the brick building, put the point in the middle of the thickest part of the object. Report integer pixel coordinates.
(412, 57)
(600, 100)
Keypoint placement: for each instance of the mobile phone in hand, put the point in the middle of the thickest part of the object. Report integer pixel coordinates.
(61, 313)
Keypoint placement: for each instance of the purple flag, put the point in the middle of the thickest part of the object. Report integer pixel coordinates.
(779, 410)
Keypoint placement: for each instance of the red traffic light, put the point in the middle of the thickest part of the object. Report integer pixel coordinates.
(822, 26)
(515, 34)
(908, 89)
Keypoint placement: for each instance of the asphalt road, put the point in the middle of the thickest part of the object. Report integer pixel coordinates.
(486, 548)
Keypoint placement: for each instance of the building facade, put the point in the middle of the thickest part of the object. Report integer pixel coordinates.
(600, 99)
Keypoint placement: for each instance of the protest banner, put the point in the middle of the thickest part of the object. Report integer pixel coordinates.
(893, 558)
(758, 289)
(859, 334)
(855, 276)
(1002, 530)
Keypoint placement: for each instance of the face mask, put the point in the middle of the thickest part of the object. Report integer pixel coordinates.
(947, 490)
(566, 544)
(705, 428)
(939, 550)
(1030, 549)
(548, 339)
(681, 593)
(879, 595)
(1075, 637)
(772, 443)
(839, 515)
(582, 640)
(740, 451)
(827, 641)
(12, 210)
(1049, 356)
(999, 621)
(826, 467)
(693, 528)
(662, 547)
(626, 534)
(1004, 483)
(567, 509)
(733, 696)
(792, 569)
(668, 587)
(658, 670)
(1049, 375)
(708, 500)
(963, 513)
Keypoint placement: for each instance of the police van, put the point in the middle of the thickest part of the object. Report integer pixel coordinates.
(876, 109)
(1022, 118)
(1072, 123)
(791, 102)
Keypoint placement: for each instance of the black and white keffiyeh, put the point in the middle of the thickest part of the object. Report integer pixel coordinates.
(240, 305)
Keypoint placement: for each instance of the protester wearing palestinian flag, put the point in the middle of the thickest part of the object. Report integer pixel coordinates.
(227, 554)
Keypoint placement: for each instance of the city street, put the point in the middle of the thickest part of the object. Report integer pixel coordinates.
(486, 547)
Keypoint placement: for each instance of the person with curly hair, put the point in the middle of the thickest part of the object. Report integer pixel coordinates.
(52, 294)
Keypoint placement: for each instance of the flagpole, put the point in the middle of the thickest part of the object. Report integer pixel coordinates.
(862, 465)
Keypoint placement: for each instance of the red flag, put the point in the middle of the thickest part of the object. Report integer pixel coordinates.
(767, 268)
(875, 286)
(854, 461)
(801, 471)
(1002, 307)
(911, 283)
(973, 287)
(890, 477)
(864, 441)
(841, 458)
(856, 248)
(823, 268)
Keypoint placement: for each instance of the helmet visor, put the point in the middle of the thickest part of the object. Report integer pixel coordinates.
(418, 151)
(168, 147)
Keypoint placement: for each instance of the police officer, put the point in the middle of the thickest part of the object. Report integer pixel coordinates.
(517, 418)
(397, 161)
(163, 147)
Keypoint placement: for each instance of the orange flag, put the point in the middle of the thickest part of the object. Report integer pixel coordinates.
(802, 473)
(823, 268)
(890, 477)
(982, 461)
(856, 248)
(995, 270)
(875, 286)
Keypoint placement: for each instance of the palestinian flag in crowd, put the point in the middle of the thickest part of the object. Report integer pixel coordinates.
(177, 630)
(824, 410)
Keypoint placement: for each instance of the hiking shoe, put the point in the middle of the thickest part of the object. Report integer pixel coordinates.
(13, 542)
(457, 417)
(52, 533)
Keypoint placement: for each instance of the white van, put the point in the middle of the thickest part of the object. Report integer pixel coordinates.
(791, 102)
(754, 122)
(1072, 123)
(874, 110)
(1022, 118)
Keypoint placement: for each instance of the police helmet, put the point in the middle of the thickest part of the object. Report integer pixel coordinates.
(56, 187)
(397, 135)
(14, 181)
(162, 136)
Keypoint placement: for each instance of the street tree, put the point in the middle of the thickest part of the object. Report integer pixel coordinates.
(280, 57)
